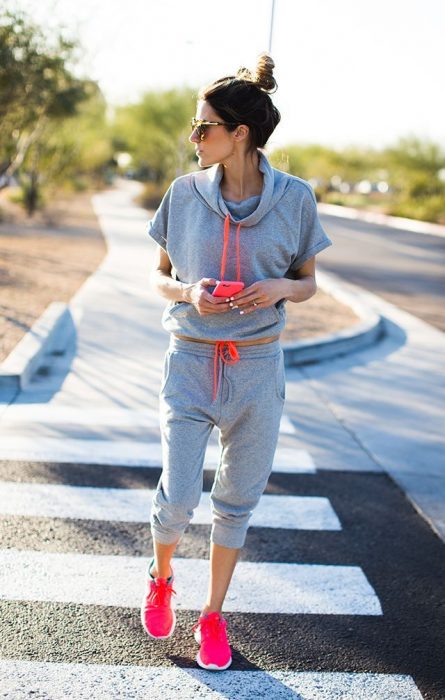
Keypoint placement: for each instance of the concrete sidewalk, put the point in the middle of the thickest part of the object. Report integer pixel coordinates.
(391, 400)
(378, 409)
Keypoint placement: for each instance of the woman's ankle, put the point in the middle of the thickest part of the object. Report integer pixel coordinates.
(207, 609)
(162, 573)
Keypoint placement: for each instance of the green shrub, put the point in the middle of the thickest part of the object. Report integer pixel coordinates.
(424, 208)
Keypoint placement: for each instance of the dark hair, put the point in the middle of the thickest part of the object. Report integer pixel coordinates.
(243, 99)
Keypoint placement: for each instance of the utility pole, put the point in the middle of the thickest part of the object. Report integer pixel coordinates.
(271, 25)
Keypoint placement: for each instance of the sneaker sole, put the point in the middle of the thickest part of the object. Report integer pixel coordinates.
(167, 636)
(211, 667)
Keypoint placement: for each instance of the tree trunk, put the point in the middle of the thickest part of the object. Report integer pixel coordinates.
(31, 193)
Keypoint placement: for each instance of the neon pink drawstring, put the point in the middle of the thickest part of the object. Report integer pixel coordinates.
(226, 349)
(226, 245)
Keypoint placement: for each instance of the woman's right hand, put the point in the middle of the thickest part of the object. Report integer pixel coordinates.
(202, 300)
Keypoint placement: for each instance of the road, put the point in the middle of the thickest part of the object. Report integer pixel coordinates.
(331, 603)
(405, 268)
(339, 588)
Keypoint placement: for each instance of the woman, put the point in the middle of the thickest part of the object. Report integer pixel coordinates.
(238, 220)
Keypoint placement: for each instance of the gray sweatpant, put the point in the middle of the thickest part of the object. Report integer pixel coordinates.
(247, 411)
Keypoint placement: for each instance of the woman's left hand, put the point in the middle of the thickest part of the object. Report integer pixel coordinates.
(260, 295)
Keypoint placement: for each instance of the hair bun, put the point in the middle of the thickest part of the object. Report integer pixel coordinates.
(245, 74)
(262, 75)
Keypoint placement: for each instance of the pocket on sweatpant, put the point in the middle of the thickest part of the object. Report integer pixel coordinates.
(165, 371)
(280, 376)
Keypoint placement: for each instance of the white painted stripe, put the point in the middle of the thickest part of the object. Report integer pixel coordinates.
(126, 453)
(23, 679)
(292, 461)
(117, 580)
(52, 414)
(134, 505)
(286, 426)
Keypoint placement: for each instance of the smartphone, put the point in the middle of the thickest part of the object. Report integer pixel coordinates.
(227, 289)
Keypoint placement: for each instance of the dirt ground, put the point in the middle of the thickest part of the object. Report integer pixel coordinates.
(44, 259)
(318, 315)
(48, 257)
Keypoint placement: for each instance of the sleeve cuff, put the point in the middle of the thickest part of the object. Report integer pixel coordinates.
(160, 240)
(310, 253)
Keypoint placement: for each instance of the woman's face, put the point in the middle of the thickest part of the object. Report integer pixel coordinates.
(218, 144)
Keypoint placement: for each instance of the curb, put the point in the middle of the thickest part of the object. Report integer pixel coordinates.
(399, 222)
(369, 330)
(49, 334)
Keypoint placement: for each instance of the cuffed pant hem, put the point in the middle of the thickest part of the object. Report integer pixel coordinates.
(228, 538)
(164, 538)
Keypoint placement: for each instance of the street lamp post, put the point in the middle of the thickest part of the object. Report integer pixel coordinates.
(271, 25)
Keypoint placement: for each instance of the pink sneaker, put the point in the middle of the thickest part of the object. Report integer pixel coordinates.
(157, 612)
(210, 633)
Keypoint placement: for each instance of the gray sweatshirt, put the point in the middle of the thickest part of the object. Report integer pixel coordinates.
(275, 240)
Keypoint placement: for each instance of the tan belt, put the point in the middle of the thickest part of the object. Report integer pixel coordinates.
(260, 341)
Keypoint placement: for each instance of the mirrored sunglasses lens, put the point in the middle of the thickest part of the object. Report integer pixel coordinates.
(198, 127)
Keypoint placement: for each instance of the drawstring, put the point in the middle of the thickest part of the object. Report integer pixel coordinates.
(226, 349)
(225, 247)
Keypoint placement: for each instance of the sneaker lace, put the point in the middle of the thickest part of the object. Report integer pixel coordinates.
(211, 626)
(160, 595)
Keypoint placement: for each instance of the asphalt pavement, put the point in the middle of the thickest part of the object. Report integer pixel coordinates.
(339, 588)
(403, 267)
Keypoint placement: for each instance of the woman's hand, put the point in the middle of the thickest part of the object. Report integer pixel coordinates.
(202, 300)
(260, 295)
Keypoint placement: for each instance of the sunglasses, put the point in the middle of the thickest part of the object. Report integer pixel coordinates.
(201, 125)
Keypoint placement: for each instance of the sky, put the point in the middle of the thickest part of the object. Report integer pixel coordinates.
(349, 72)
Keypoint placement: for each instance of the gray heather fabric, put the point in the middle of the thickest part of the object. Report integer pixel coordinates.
(276, 238)
(248, 420)
(240, 210)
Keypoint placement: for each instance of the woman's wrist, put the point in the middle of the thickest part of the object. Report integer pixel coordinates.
(300, 290)
(186, 292)
(170, 289)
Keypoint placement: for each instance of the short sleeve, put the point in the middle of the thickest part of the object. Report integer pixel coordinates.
(158, 225)
(313, 238)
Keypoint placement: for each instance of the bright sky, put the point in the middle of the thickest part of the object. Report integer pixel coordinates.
(349, 72)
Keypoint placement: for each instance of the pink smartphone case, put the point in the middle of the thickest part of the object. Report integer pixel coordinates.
(224, 289)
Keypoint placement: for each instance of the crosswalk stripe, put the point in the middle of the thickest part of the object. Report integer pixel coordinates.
(255, 587)
(52, 414)
(127, 453)
(134, 505)
(21, 679)
(286, 425)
